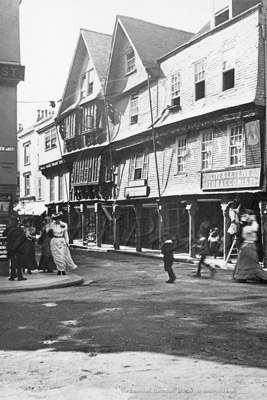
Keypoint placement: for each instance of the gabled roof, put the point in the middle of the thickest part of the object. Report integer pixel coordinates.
(97, 46)
(152, 41)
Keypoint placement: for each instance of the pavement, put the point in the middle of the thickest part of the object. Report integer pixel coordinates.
(40, 280)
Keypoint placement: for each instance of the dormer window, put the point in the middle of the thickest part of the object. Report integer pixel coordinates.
(222, 11)
(130, 62)
(176, 88)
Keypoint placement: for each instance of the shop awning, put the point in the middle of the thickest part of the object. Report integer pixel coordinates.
(34, 208)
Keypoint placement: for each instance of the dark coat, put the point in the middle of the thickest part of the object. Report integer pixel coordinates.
(204, 247)
(16, 240)
(167, 251)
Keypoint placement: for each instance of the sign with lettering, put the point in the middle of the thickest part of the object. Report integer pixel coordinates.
(238, 178)
(12, 72)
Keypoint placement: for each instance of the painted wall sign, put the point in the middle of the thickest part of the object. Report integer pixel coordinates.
(239, 178)
(7, 148)
(12, 72)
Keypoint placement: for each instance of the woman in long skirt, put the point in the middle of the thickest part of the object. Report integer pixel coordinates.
(247, 266)
(60, 245)
(46, 262)
(30, 233)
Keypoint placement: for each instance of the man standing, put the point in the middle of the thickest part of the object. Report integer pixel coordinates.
(15, 249)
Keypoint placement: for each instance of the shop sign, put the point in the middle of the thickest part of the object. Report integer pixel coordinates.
(12, 72)
(136, 191)
(239, 178)
(7, 148)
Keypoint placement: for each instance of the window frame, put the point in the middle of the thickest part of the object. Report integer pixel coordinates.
(239, 154)
(87, 83)
(86, 171)
(61, 185)
(90, 81)
(129, 64)
(70, 126)
(27, 184)
(174, 89)
(39, 183)
(27, 158)
(133, 165)
(182, 156)
(89, 114)
(83, 86)
(52, 188)
(50, 142)
(199, 84)
(134, 109)
(203, 151)
(223, 13)
(228, 71)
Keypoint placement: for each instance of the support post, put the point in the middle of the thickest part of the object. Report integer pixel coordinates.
(224, 207)
(138, 215)
(191, 209)
(116, 227)
(98, 225)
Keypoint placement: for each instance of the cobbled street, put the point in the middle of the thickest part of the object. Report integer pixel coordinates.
(124, 333)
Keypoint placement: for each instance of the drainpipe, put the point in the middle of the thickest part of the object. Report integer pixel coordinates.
(155, 156)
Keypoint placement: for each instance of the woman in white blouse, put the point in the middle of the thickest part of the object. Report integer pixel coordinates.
(60, 244)
(247, 266)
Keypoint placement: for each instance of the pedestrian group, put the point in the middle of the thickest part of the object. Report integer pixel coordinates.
(243, 230)
(54, 243)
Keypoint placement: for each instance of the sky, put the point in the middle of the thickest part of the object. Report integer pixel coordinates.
(49, 31)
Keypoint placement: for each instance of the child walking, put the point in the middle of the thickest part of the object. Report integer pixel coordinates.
(167, 250)
(204, 250)
(214, 239)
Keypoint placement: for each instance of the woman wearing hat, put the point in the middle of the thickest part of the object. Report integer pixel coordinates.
(247, 266)
(60, 244)
(46, 262)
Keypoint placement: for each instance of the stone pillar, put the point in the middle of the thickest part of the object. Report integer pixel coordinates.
(191, 209)
(116, 227)
(138, 216)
